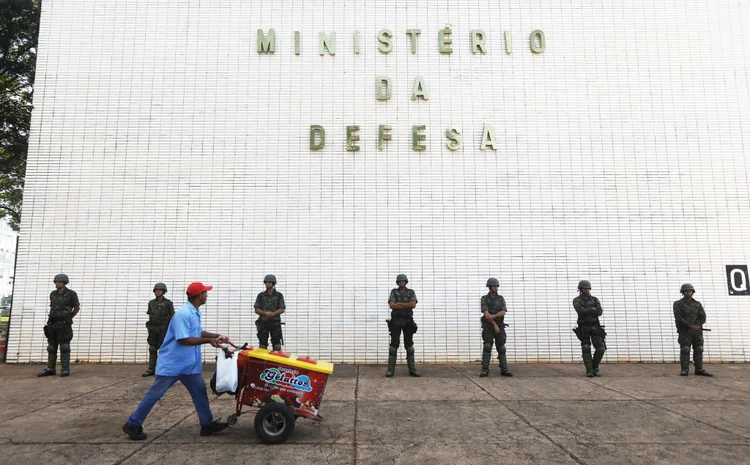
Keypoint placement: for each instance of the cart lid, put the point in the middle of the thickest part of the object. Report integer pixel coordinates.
(290, 360)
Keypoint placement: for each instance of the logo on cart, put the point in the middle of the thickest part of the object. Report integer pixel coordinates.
(286, 379)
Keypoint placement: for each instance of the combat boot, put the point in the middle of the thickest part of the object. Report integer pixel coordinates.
(587, 362)
(486, 355)
(51, 362)
(392, 353)
(65, 360)
(410, 362)
(684, 363)
(598, 355)
(698, 361)
(152, 354)
(504, 364)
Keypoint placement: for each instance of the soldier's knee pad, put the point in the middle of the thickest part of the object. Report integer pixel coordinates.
(153, 349)
(600, 350)
(64, 348)
(395, 343)
(698, 350)
(487, 347)
(685, 350)
(51, 349)
(410, 349)
(392, 350)
(586, 347)
(501, 349)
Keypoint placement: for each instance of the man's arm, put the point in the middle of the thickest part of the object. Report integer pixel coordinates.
(171, 310)
(681, 322)
(215, 339)
(491, 317)
(76, 309)
(281, 306)
(598, 310)
(263, 313)
(579, 308)
(701, 316)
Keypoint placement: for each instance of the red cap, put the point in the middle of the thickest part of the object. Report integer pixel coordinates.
(196, 288)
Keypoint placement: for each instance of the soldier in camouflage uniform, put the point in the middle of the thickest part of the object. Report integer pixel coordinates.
(269, 305)
(160, 311)
(63, 306)
(493, 328)
(589, 330)
(402, 302)
(689, 317)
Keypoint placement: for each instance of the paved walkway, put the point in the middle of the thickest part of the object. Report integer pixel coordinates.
(634, 414)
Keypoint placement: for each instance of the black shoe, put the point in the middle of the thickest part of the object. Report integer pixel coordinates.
(684, 372)
(703, 373)
(148, 373)
(64, 373)
(389, 374)
(215, 427)
(484, 373)
(46, 372)
(414, 373)
(135, 433)
(506, 373)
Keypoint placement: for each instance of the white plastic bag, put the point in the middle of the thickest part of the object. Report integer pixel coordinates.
(226, 372)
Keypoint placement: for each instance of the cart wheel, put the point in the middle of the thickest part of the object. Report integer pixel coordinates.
(232, 419)
(274, 423)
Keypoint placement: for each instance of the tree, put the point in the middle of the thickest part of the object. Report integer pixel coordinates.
(19, 31)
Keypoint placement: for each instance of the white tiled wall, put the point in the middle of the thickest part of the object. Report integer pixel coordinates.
(165, 148)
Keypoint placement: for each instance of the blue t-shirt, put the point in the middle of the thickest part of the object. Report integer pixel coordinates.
(174, 358)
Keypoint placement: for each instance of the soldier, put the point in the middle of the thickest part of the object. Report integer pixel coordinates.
(160, 311)
(493, 328)
(63, 306)
(589, 330)
(402, 302)
(689, 317)
(269, 305)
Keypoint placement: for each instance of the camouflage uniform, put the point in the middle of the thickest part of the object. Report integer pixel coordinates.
(589, 332)
(493, 305)
(402, 321)
(687, 313)
(270, 303)
(59, 328)
(160, 311)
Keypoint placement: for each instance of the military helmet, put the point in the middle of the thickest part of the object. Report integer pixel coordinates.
(402, 277)
(62, 278)
(686, 287)
(160, 286)
(584, 285)
(493, 282)
(269, 279)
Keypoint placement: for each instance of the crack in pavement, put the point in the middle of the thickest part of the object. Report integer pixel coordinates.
(148, 442)
(651, 403)
(63, 401)
(524, 419)
(356, 412)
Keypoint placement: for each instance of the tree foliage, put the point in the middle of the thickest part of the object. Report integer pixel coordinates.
(19, 30)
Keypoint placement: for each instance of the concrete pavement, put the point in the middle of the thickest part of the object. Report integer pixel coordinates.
(547, 413)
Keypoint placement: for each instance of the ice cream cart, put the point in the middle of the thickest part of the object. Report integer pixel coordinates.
(283, 386)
